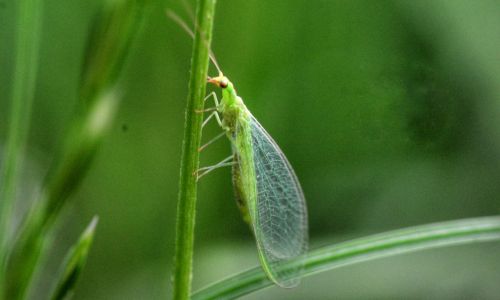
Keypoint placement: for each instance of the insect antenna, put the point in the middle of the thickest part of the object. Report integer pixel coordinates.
(174, 17)
(190, 11)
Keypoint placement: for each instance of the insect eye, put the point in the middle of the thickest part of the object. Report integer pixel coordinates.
(223, 83)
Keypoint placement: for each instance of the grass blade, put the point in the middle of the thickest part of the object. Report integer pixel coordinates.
(73, 263)
(26, 62)
(35, 234)
(190, 155)
(364, 249)
(108, 49)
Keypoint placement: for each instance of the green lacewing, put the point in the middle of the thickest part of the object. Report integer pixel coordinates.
(267, 190)
(266, 187)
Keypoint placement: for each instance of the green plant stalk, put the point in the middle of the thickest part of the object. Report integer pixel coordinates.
(363, 249)
(26, 62)
(183, 261)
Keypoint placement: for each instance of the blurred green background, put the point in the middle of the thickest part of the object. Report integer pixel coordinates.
(389, 112)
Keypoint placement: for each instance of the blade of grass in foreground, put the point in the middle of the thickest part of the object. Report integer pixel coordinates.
(28, 29)
(74, 262)
(36, 235)
(190, 155)
(107, 52)
(363, 249)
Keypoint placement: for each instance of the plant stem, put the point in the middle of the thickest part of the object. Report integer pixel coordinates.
(26, 62)
(190, 155)
(363, 249)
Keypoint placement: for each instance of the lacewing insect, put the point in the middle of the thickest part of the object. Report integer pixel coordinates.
(267, 190)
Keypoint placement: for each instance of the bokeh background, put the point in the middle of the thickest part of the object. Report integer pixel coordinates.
(389, 112)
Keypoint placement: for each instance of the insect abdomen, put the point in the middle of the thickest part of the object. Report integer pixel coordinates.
(238, 191)
(243, 170)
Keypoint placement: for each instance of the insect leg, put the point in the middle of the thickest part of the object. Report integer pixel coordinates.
(208, 119)
(214, 109)
(211, 141)
(205, 170)
(217, 117)
(219, 164)
(214, 96)
(199, 111)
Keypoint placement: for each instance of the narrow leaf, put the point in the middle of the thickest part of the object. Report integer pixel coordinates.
(74, 263)
(28, 30)
(363, 249)
(108, 49)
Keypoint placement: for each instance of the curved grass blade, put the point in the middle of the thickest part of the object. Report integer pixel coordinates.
(280, 216)
(28, 36)
(74, 263)
(363, 249)
(109, 48)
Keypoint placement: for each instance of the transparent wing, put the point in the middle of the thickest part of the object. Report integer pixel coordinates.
(280, 224)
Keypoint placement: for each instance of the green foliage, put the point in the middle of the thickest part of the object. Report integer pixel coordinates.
(361, 250)
(388, 111)
(108, 47)
(73, 263)
(26, 63)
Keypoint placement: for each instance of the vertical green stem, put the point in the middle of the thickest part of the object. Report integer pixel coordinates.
(190, 156)
(27, 44)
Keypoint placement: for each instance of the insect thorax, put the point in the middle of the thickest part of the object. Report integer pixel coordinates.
(232, 113)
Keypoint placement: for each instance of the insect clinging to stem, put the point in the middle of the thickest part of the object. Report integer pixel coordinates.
(267, 190)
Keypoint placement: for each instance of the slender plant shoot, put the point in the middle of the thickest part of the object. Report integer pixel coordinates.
(186, 207)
